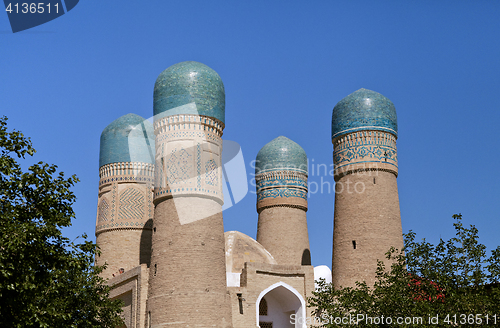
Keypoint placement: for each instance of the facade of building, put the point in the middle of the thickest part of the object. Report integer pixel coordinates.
(159, 219)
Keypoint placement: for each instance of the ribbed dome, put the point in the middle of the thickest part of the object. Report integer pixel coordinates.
(364, 110)
(129, 138)
(189, 88)
(281, 154)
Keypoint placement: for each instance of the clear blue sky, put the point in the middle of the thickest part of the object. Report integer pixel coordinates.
(285, 64)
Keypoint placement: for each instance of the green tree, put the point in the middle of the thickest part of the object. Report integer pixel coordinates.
(451, 284)
(46, 280)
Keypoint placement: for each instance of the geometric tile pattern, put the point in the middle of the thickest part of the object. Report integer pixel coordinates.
(131, 204)
(211, 173)
(131, 179)
(281, 192)
(184, 134)
(377, 153)
(198, 165)
(131, 171)
(113, 203)
(281, 184)
(365, 147)
(103, 210)
(128, 204)
(281, 181)
(190, 143)
(178, 166)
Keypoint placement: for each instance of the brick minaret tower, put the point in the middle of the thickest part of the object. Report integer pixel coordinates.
(367, 220)
(125, 207)
(281, 177)
(187, 281)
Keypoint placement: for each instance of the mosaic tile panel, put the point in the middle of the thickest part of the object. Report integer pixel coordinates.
(193, 172)
(113, 202)
(281, 192)
(211, 173)
(131, 204)
(178, 166)
(365, 147)
(292, 181)
(281, 184)
(127, 179)
(124, 225)
(198, 165)
(129, 188)
(103, 210)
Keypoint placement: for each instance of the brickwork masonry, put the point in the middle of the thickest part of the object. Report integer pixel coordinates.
(187, 282)
(124, 216)
(367, 219)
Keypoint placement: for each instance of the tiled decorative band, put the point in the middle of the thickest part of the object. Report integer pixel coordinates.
(364, 151)
(126, 171)
(281, 187)
(125, 225)
(187, 122)
(125, 196)
(188, 157)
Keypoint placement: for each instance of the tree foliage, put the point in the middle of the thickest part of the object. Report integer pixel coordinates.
(46, 280)
(453, 283)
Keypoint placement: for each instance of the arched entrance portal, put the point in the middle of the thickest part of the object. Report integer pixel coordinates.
(282, 307)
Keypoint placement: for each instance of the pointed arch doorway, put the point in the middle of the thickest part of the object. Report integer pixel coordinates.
(281, 306)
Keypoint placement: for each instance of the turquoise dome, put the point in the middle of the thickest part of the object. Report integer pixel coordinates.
(189, 88)
(129, 138)
(281, 154)
(364, 110)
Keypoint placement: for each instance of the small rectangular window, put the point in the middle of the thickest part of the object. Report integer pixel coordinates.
(354, 244)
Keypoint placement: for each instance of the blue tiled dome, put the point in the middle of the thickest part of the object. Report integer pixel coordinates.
(364, 110)
(281, 154)
(129, 138)
(189, 88)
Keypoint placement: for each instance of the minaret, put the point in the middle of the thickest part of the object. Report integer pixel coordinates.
(281, 177)
(125, 207)
(187, 282)
(367, 220)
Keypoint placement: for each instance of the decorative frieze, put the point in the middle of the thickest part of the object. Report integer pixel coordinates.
(125, 196)
(365, 151)
(281, 188)
(188, 157)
